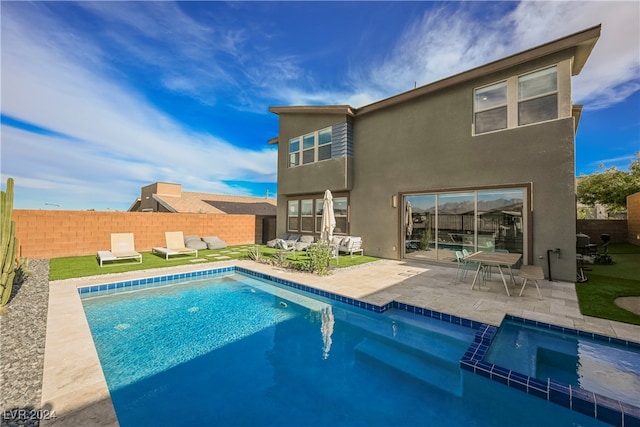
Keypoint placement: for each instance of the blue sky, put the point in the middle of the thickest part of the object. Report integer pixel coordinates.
(101, 98)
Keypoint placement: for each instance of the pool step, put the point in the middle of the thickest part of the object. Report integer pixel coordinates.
(435, 371)
(433, 338)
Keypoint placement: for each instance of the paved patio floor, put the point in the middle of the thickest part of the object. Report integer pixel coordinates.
(74, 386)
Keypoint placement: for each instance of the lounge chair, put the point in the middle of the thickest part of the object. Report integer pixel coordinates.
(304, 243)
(175, 245)
(122, 247)
(285, 245)
(291, 240)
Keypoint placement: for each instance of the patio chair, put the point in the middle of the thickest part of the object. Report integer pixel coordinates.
(175, 246)
(464, 266)
(122, 247)
(461, 271)
(351, 245)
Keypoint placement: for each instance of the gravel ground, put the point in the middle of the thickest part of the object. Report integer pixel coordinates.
(22, 339)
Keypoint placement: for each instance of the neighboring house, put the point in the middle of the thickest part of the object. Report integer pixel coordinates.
(485, 159)
(169, 197)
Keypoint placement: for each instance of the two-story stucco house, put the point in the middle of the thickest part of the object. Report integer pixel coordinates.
(482, 160)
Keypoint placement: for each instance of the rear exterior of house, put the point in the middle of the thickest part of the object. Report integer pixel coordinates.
(483, 160)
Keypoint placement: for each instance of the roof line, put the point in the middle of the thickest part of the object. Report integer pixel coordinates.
(583, 42)
(301, 109)
(163, 203)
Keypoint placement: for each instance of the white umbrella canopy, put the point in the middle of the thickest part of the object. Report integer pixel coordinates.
(328, 218)
(409, 219)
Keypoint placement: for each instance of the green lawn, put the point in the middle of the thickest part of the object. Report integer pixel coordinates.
(608, 282)
(83, 266)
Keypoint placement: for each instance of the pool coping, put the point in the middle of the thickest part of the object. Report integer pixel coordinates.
(573, 398)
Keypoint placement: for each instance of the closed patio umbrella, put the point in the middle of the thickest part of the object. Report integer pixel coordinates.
(328, 218)
(409, 219)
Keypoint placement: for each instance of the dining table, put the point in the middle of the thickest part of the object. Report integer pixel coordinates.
(497, 259)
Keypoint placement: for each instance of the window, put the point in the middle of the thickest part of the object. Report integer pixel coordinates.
(305, 215)
(538, 96)
(340, 210)
(293, 221)
(316, 147)
(319, 208)
(308, 149)
(324, 144)
(517, 101)
(294, 152)
(490, 105)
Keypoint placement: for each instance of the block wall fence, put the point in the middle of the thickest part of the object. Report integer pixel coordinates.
(46, 234)
(633, 215)
(616, 228)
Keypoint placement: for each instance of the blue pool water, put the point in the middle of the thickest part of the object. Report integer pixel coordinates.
(608, 369)
(237, 351)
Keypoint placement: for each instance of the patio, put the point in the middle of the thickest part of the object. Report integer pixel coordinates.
(74, 387)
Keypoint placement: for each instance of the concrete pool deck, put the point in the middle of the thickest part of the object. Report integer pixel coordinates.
(74, 387)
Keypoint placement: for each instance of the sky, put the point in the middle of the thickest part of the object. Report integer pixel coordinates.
(100, 98)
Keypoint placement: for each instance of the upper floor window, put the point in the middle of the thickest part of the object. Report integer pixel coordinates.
(316, 146)
(490, 106)
(531, 97)
(294, 152)
(324, 144)
(538, 96)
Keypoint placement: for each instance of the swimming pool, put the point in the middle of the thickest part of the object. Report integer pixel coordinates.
(226, 348)
(608, 369)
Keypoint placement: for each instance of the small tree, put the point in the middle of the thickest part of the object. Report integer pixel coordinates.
(610, 187)
(319, 256)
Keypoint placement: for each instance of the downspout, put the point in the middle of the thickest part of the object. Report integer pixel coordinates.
(550, 251)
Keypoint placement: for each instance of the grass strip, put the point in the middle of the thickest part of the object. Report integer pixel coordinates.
(607, 282)
(87, 265)
(596, 297)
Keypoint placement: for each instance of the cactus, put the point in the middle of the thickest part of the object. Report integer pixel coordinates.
(8, 244)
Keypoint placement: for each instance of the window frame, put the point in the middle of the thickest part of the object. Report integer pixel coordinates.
(310, 154)
(295, 153)
(538, 96)
(290, 203)
(513, 100)
(492, 108)
(316, 200)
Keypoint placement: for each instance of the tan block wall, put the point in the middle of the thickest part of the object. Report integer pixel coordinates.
(52, 234)
(633, 218)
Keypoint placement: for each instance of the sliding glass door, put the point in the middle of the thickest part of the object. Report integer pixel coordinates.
(437, 225)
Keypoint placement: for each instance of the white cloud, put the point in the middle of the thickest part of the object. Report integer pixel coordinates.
(451, 39)
(612, 72)
(56, 78)
(115, 135)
